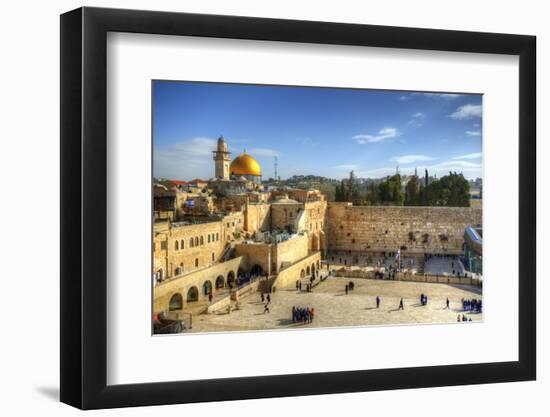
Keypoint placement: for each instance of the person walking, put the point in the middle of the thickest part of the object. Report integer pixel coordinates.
(447, 304)
(401, 307)
(347, 289)
(377, 302)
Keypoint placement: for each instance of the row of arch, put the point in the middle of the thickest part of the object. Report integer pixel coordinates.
(179, 244)
(209, 286)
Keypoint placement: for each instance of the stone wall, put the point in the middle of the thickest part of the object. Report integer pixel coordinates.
(287, 277)
(273, 257)
(255, 253)
(289, 251)
(233, 224)
(388, 228)
(315, 223)
(285, 216)
(257, 217)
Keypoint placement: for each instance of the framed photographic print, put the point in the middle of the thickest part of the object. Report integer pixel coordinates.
(257, 208)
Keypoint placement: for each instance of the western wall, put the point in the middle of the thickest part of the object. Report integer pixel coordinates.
(389, 228)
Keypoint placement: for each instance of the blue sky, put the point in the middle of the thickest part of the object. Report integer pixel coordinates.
(319, 131)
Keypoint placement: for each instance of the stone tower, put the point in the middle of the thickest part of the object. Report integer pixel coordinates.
(221, 158)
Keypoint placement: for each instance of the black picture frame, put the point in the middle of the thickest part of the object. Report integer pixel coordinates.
(84, 207)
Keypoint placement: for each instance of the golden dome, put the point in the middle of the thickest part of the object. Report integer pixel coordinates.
(244, 164)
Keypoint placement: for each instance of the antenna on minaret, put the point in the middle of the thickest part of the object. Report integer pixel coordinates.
(275, 167)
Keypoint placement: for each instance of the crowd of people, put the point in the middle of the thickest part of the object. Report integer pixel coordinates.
(471, 305)
(303, 314)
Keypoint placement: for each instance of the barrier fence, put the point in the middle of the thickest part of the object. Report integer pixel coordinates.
(408, 276)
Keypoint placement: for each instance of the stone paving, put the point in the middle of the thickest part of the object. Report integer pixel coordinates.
(333, 308)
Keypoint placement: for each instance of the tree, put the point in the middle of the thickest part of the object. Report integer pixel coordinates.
(412, 192)
(373, 195)
(451, 190)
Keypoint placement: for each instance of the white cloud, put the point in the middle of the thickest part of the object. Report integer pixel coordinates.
(309, 142)
(447, 96)
(383, 134)
(409, 159)
(469, 156)
(476, 125)
(263, 152)
(467, 111)
(472, 133)
(403, 98)
(467, 168)
(346, 167)
(376, 173)
(188, 159)
(192, 158)
(418, 115)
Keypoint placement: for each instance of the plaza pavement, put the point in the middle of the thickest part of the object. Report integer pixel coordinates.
(334, 308)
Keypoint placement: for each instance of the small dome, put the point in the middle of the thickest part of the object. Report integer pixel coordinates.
(244, 164)
(222, 145)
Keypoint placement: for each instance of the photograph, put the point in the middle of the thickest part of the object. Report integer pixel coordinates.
(282, 207)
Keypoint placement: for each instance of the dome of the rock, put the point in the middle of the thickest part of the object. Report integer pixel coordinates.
(245, 165)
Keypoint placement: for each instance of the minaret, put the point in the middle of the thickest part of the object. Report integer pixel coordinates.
(221, 158)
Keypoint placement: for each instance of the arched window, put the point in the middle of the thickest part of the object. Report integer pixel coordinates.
(176, 245)
(208, 238)
(192, 294)
(217, 236)
(207, 287)
(307, 270)
(213, 257)
(257, 270)
(191, 243)
(182, 244)
(230, 279)
(202, 240)
(196, 262)
(197, 241)
(176, 302)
